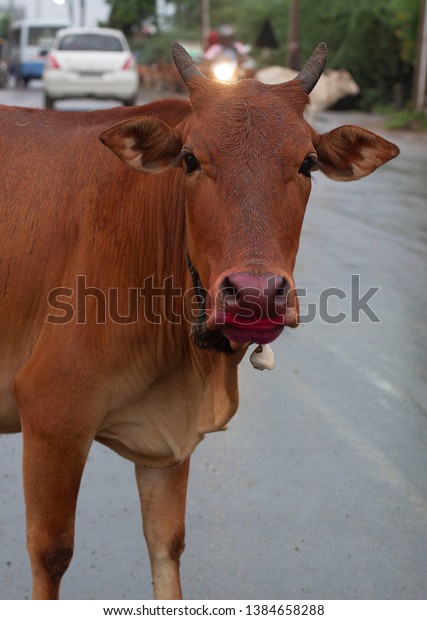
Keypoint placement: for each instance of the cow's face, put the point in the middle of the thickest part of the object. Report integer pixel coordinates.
(247, 156)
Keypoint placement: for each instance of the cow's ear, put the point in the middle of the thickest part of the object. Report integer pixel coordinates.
(349, 153)
(145, 143)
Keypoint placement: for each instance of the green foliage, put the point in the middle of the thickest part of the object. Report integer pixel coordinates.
(361, 37)
(156, 48)
(127, 15)
(415, 120)
(405, 15)
(4, 26)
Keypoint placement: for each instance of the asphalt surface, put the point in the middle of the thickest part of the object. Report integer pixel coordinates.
(318, 490)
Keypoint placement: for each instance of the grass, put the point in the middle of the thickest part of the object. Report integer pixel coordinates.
(414, 120)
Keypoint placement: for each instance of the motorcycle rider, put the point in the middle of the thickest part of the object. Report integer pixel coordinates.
(225, 49)
(226, 46)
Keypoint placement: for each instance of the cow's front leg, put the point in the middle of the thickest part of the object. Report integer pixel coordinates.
(58, 429)
(53, 464)
(163, 494)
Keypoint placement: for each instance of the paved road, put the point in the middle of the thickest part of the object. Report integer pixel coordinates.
(319, 487)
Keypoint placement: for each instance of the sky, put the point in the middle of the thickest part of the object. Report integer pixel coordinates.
(95, 9)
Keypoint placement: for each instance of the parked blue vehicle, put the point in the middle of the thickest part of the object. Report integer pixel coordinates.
(29, 43)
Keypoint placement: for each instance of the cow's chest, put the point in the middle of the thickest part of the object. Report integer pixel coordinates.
(163, 427)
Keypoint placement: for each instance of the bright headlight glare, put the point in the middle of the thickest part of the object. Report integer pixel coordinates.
(223, 71)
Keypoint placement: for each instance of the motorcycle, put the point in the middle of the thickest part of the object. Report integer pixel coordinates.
(226, 69)
(230, 67)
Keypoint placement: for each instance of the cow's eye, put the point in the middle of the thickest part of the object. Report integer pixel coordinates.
(191, 163)
(307, 166)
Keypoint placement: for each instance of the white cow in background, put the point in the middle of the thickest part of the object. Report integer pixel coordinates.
(331, 87)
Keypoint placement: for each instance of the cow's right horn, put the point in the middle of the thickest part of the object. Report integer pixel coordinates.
(186, 66)
(312, 70)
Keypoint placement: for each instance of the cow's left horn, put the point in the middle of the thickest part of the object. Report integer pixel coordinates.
(312, 70)
(186, 66)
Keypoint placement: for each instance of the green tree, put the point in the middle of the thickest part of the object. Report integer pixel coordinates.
(373, 39)
(127, 15)
(4, 26)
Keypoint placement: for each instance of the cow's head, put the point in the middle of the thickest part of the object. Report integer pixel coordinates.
(343, 83)
(247, 156)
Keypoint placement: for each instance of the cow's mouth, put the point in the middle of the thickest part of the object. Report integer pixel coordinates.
(229, 338)
(226, 331)
(261, 332)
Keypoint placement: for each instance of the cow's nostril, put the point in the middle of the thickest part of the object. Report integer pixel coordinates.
(227, 288)
(278, 286)
(230, 295)
(282, 287)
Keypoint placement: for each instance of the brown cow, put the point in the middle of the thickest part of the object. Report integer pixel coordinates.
(101, 335)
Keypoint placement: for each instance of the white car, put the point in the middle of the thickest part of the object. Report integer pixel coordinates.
(90, 62)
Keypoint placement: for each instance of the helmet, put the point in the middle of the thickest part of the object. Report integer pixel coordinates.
(226, 32)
